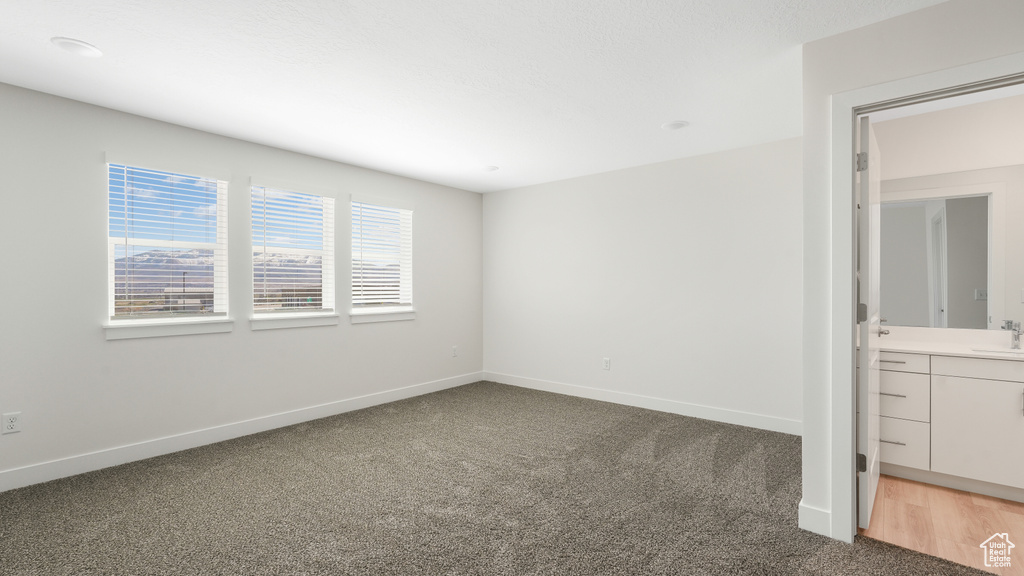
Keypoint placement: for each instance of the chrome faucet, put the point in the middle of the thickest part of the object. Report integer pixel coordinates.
(1015, 332)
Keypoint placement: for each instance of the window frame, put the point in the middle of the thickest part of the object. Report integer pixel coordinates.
(383, 313)
(281, 318)
(125, 327)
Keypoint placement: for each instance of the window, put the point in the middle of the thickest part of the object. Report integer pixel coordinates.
(167, 249)
(293, 251)
(381, 258)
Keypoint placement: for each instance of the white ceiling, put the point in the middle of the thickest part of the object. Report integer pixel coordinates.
(439, 89)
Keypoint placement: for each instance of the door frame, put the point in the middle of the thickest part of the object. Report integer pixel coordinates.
(937, 271)
(845, 107)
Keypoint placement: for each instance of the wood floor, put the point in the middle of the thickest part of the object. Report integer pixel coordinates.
(947, 523)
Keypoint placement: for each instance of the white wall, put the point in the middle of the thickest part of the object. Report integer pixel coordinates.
(88, 402)
(973, 137)
(975, 144)
(686, 274)
(978, 144)
(941, 37)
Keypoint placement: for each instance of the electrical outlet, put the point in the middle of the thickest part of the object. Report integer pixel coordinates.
(607, 365)
(12, 422)
(455, 351)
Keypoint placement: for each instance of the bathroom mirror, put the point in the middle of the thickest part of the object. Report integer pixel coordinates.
(949, 257)
(935, 262)
(952, 195)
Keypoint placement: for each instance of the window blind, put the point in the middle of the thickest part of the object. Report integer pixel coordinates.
(293, 251)
(381, 256)
(167, 249)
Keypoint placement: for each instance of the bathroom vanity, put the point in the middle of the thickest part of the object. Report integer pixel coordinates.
(953, 415)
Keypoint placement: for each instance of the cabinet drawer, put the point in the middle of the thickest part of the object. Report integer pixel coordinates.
(903, 362)
(1011, 370)
(905, 442)
(904, 395)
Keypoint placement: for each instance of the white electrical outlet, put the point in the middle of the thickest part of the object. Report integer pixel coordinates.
(455, 351)
(607, 365)
(12, 422)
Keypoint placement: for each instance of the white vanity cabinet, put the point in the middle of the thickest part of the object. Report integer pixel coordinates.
(977, 419)
(904, 409)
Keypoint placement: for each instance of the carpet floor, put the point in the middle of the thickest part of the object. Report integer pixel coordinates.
(483, 479)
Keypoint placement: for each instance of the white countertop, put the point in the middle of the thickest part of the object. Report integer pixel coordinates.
(951, 349)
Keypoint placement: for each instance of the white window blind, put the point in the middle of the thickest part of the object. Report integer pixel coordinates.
(293, 251)
(167, 249)
(381, 256)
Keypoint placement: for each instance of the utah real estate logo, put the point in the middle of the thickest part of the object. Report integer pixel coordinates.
(997, 550)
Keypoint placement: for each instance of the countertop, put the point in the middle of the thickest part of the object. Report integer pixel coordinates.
(951, 349)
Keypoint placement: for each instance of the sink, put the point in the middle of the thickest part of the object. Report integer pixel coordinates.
(999, 351)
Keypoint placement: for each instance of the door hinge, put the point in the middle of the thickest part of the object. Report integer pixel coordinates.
(862, 161)
(862, 463)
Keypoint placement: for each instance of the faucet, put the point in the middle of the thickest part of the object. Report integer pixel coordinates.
(1015, 332)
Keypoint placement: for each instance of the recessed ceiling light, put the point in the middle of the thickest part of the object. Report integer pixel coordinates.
(490, 168)
(675, 125)
(77, 47)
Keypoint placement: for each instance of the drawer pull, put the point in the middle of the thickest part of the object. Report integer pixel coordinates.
(891, 394)
(891, 442)
(893, 361)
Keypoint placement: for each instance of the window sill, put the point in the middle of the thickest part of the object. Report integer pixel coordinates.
(127, 329)
(382, 315)
(277, 321)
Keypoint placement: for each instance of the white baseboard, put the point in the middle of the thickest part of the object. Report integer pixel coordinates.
(54, 469)
(815, 520)
(662, 405)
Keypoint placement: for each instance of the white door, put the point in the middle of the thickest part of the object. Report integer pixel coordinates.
(868, 218)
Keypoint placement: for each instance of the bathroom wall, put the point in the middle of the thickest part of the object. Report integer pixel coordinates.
(973, 137)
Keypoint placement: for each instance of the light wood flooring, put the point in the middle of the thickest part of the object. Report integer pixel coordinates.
(947, 523)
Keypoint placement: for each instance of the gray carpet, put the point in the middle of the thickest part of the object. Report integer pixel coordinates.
(481, 479)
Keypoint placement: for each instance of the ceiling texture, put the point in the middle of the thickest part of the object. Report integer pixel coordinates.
(439, 90)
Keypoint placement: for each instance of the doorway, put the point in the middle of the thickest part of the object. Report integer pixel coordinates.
(831, 472)
(908, 508)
